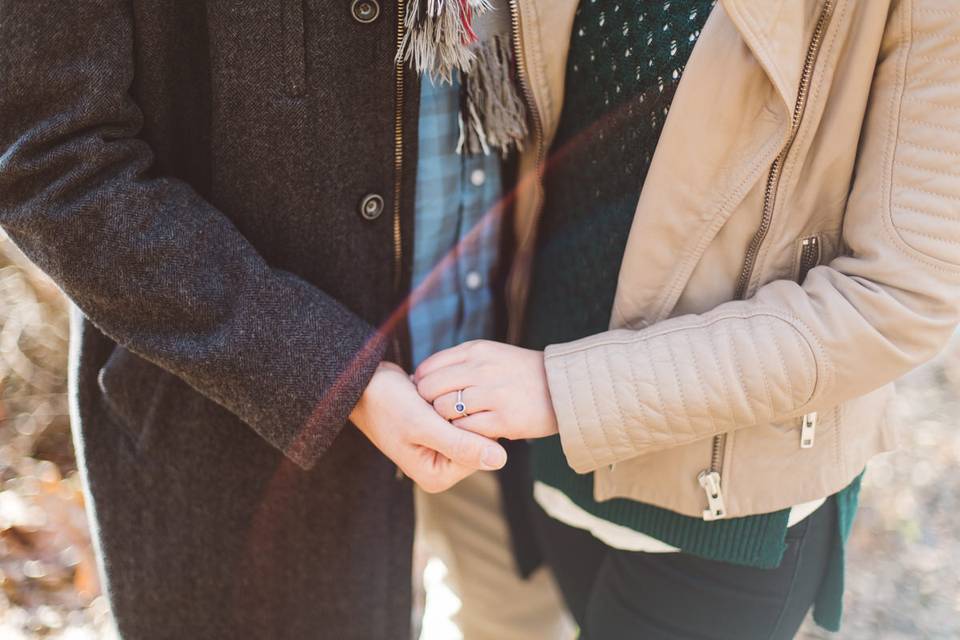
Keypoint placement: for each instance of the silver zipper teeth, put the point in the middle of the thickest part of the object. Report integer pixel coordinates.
(769, 196)
(516, 316)
(809, 257)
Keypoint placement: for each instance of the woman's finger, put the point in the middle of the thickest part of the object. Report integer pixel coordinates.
(474, 400)
(485, 423)
(445, 358)
(446, 380)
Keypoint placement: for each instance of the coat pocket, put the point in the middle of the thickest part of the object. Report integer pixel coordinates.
(133, 391)
(294, 48)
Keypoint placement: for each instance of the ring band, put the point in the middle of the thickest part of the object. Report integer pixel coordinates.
(460, 407)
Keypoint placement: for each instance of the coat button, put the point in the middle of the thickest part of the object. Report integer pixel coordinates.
(365, 11)
(371, 206)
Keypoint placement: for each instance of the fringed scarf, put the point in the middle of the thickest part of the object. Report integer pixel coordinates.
(472, 37)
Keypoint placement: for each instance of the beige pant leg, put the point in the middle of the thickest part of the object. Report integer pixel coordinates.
(465, 529)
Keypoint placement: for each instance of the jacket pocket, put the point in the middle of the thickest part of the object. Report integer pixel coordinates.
(294, 47)
(133, 391)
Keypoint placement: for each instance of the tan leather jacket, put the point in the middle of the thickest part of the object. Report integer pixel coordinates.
(795, 249)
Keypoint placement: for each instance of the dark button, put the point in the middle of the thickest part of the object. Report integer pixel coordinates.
(365, 11)
(371, 206)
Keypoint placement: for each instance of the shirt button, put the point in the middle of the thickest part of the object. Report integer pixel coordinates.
(371, 206)
(473, 280)
(365, 11)
(478, 177)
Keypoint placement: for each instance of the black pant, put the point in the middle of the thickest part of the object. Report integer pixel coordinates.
(617, 594)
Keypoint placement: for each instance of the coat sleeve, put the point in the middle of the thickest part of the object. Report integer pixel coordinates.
(888, 304)
(150, 262)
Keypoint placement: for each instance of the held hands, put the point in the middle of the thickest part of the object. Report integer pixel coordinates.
(504, 393)
(427, 448)
(504, 389)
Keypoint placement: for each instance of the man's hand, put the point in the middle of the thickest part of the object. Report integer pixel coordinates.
(431, 451)
(505, 389)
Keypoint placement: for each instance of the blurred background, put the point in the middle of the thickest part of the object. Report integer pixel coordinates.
(904, 564)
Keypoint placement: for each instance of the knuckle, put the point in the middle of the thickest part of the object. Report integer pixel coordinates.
(476, 347)
(440, 405)
(465, 449)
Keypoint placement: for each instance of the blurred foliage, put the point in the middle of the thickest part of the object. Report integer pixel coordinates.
(48, 576)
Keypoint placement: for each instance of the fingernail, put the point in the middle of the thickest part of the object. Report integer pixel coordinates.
(493, 457)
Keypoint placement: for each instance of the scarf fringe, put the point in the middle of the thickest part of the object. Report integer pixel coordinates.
(494, 115)
(439, 40)
(438, 35)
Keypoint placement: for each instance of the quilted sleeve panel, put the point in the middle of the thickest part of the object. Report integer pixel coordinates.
(925, 180)
(625, 392)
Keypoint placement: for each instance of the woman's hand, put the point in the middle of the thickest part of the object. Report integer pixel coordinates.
(429, 450)
(505, 393)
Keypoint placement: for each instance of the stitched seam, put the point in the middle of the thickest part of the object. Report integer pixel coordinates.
(940, 12)
(820, 356)
(945, 38)
(895, 110)
(640, 403)
(931, 124)
(936, 59)
(929, 236)
(740, 378)
(763, 375)
(596, 407)
(903, 163)
(576, 415)
(930, 214)
(703, 387)
(935, 105)
(723, 383)
(838, 460)
(783, 367)
(656, 386)
(952, 154)
(809, 372)
(624, 431)
(931, 193)
(689, 427)
(786, 318)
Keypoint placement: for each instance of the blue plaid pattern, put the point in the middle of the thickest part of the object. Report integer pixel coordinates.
(456, 230)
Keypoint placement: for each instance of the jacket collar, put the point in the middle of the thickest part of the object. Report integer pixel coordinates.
(777, 32)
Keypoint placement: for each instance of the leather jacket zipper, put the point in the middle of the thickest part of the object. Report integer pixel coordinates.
(538, 142)
(809, 257)
(710, 479)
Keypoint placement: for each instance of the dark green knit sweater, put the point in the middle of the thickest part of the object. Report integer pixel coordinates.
(625, 62)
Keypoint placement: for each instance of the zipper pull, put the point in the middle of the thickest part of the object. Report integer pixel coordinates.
(710, 481)
(808, 430)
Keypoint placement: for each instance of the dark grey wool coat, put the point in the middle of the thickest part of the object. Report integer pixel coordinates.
(190, 173)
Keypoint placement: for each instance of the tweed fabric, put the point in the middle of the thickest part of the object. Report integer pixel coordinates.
(190, 173)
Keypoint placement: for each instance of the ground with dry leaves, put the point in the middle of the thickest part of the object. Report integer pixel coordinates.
(904, 566)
